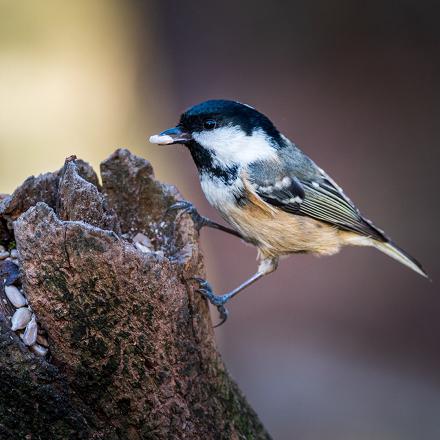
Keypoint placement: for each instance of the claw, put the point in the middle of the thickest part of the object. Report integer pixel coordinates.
(186, 207)
(201, 281)
(223, 311)
(217, 300)
(180, 205)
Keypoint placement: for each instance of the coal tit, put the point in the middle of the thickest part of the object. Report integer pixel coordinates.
(268, 190)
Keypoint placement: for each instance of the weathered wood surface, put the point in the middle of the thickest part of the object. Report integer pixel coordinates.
(132, 352)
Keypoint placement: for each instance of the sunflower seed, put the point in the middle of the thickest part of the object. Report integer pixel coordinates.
(15, 296)
(39, 350)
(30, 334)
(20, 318)
(14, 253)
(142, 239)
(4, 255)
(142, 248)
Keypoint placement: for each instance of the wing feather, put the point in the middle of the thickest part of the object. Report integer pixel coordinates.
(319, 198)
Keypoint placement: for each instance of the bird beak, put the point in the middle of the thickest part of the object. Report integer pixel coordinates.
(171, 136)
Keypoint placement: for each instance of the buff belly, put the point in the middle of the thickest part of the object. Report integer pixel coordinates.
(277, 233)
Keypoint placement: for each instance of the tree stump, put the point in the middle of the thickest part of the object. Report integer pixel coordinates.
(131, 345)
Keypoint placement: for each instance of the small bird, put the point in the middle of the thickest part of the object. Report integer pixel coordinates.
(271, 193)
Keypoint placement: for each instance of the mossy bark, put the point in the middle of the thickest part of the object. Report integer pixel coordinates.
(132, 351)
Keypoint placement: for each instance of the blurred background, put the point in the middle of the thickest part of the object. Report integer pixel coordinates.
(346, 347)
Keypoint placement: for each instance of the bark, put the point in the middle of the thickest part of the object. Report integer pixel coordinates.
(132, 352)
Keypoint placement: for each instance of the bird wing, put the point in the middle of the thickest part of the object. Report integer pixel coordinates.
(312, 194)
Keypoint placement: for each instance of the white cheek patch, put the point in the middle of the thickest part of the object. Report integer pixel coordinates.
(231, 145)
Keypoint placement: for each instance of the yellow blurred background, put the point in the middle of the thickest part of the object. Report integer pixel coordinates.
(69, 84)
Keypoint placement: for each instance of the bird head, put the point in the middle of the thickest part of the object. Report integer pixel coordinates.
(229, 131)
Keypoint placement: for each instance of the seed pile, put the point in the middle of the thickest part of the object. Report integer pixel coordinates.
(23, 321)
(156, 245)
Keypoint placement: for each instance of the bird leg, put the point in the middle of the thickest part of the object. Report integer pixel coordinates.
(200, 221)
(265, 267)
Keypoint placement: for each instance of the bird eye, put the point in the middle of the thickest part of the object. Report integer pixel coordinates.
(209, 124)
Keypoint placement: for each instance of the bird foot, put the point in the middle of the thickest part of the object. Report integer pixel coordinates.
(217, 300)
(187, 207)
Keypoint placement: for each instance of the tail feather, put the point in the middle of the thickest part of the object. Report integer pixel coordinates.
(400, 255)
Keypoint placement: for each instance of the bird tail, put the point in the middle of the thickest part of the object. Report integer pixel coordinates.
(392, 250)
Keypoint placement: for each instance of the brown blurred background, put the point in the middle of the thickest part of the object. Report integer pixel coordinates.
(346, 347)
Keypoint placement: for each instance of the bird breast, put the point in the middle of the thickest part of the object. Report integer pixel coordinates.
(220, 194)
